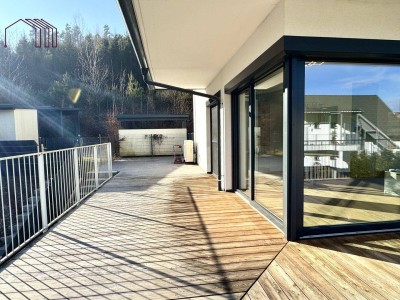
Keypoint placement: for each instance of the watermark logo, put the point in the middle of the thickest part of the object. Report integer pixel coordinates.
(42, 30)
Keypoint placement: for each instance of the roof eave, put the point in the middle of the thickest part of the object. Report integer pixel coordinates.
(128, 12)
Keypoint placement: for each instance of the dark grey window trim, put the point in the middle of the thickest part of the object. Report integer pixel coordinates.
(216, 105)
(356, 50)
(294, 51)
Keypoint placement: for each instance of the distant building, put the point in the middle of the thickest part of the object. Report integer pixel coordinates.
(57, 127)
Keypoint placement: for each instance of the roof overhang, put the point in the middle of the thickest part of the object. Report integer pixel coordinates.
(187, 42)
(143, 118)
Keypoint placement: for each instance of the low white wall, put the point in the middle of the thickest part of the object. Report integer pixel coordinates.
(26, 124)
(137, 142)
(201, 127)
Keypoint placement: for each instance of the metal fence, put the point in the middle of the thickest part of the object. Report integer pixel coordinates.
(324, 172)
(38, 189)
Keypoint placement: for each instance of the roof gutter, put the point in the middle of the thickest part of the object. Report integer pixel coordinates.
(128, 12)
(145, 73)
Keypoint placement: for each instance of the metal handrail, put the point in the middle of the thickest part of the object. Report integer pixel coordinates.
(37, 189)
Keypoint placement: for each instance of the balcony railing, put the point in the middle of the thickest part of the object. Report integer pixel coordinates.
(37, 189)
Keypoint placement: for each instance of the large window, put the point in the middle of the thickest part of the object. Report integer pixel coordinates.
(351, 143)
(268, 173)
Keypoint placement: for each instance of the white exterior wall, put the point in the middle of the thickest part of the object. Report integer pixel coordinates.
(137, 142)
(26, 125)
(368, 19)
(201, 128)
(7, 128)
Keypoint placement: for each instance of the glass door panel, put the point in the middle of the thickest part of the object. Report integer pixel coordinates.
(268, 176)
(351, 143)
(214, 140)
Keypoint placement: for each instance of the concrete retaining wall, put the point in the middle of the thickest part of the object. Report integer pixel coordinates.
(148, 142)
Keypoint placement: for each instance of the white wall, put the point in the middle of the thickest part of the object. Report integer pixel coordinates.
(137, 142)
(368, 19)
(7, 127)
(26, 124)
(201, 128)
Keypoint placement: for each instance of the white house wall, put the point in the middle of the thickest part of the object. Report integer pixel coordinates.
(26, 124)
(368, 19)
(201, 126)
(7, 128)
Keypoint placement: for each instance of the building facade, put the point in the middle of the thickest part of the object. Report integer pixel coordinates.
(307, 126)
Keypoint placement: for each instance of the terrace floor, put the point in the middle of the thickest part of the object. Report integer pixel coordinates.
(155, 231)
(162, 231)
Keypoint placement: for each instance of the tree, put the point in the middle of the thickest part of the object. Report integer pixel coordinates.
(93, 71)
(60, 90)
(102, 66)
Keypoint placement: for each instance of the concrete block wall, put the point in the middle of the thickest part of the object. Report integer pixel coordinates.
(138, 142)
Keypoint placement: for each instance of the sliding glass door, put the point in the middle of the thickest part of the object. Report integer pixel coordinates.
(260, 145)
(268, 173)
(214, 139)
(351, 143)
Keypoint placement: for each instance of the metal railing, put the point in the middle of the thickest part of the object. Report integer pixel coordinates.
(324, 172)
(38, 189)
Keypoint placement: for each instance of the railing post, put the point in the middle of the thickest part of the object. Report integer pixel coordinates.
(109, 160)
(42, 189)
(96, 167)
(76, 171)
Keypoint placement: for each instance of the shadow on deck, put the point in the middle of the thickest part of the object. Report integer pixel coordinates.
(155, 231)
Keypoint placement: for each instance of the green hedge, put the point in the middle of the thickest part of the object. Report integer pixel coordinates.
(363, 165)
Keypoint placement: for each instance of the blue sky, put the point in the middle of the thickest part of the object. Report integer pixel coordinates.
(95, 13)
(355, 79)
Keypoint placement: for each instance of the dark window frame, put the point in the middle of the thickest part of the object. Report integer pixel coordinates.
(236, 139)
(216, 105)
(292, 52)
(343, 229)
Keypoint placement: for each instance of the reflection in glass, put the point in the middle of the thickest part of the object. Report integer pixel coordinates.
(244, 144)
(268, 176)
(351, 143)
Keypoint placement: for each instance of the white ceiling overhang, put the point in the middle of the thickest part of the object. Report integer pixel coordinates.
(187, 42)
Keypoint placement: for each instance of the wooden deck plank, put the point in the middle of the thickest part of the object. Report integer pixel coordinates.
(285, 282)
(256, 292)
(355, 267)
(147, 237)
(271, 287)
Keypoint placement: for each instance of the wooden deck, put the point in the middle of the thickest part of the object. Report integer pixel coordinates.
(162, 231)
(359, 267)
(332, 202)
(156, 231)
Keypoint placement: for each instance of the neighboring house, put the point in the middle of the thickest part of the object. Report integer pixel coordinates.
(266, 132)
(57, 127)
(18, 124)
